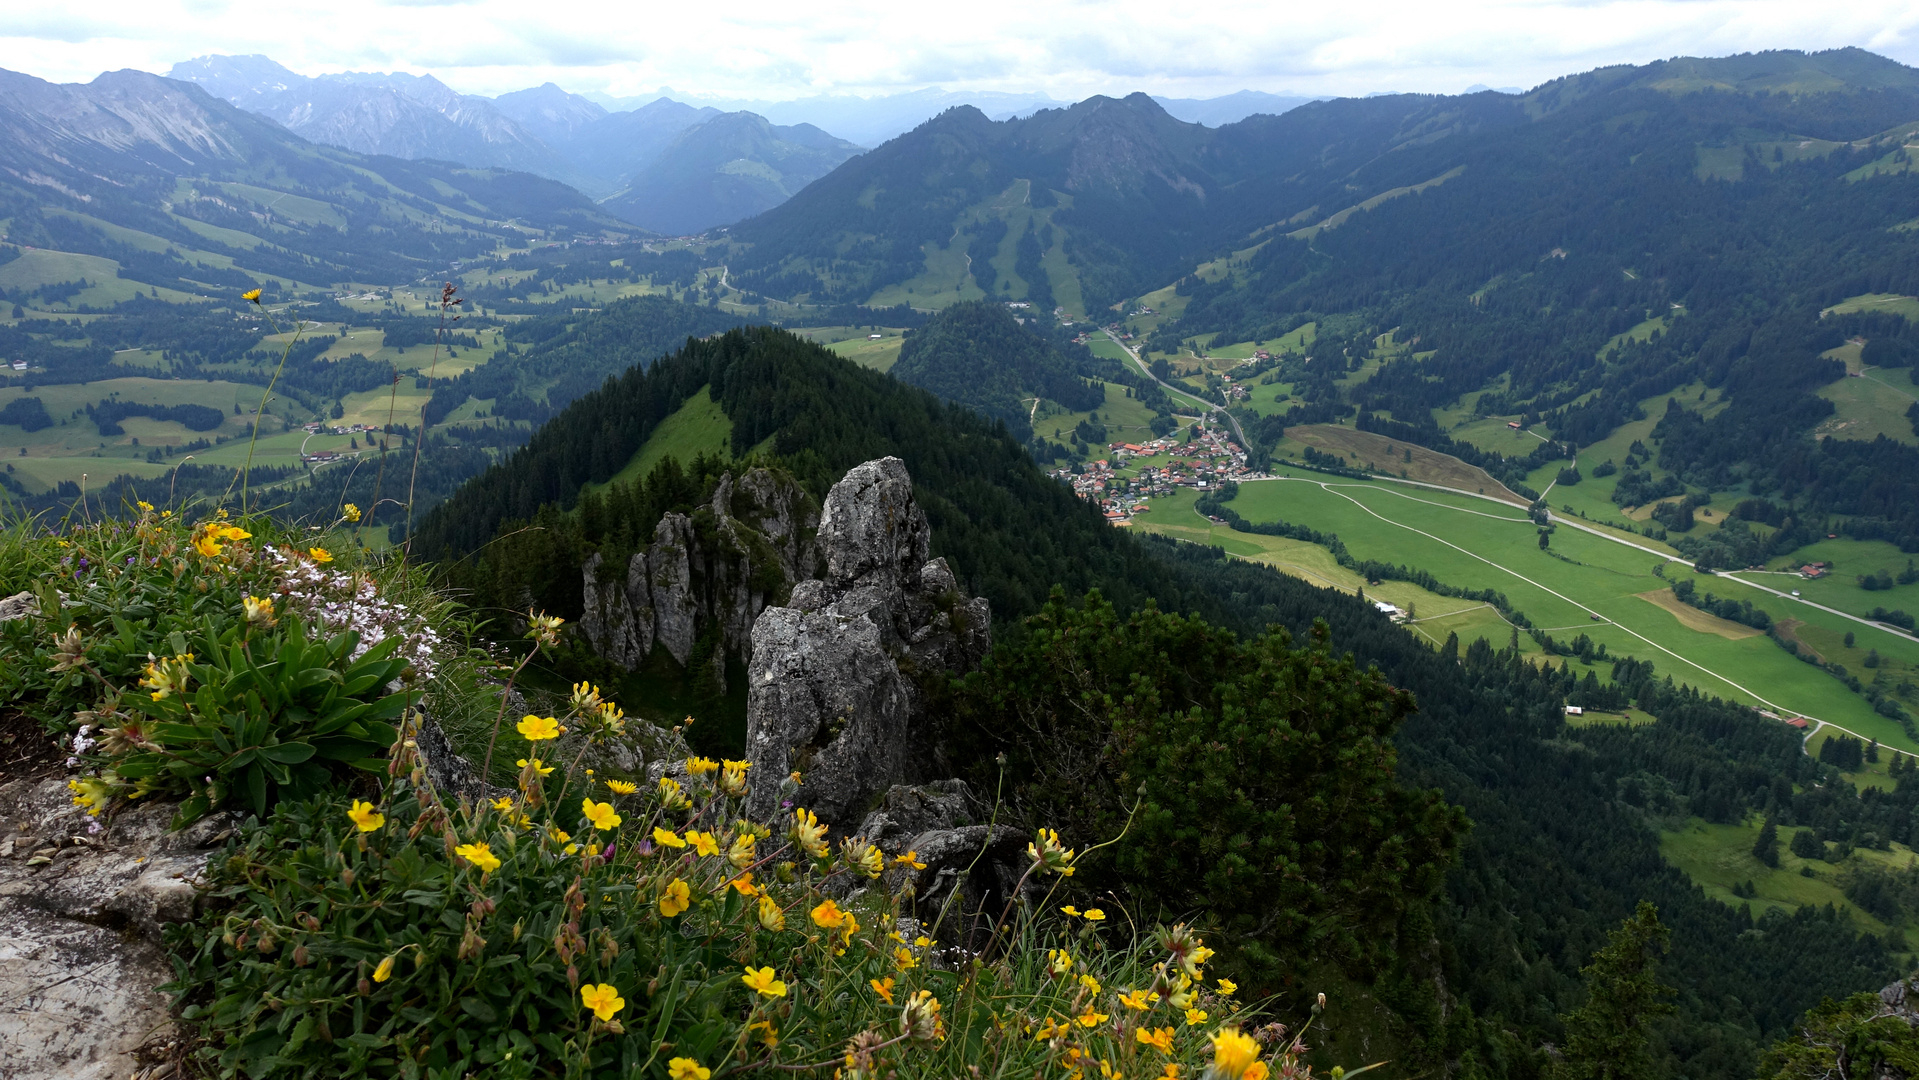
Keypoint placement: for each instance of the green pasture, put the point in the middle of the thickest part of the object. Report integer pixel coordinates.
(1892, 303)
(697, 427)
(1126, 419)
(1474, 544)
(1718, 857)
(879, 355)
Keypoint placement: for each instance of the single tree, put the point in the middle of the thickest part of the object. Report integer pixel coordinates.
(1606, 1037)
(1766, 848)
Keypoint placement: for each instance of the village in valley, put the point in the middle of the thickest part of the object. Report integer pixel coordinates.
(1134, 472)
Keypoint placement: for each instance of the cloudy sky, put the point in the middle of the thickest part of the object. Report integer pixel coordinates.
(779, 50)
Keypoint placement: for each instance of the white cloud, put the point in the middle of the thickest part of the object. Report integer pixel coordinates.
(767, 49)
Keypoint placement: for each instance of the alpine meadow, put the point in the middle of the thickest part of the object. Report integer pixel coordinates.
(925, 583)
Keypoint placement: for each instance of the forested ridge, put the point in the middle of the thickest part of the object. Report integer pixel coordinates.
(1563, 841)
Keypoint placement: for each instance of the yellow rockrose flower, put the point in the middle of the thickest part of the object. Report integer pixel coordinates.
(704, 843)
(538, 728)
(1195, 1017)
(384, 971)
(763, 982)
(667, 838)
(601, 815)
(480, 855)
(365, 817)
(675, 898)
(687, 1069)
(828, 915)
(603, 999)
(1160, 1039)
(320, 554)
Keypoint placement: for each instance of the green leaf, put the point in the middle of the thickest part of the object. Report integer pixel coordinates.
(290, 753)
(480, 1010)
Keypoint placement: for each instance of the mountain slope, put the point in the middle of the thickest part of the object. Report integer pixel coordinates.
(724, 169)
(183, 191)
(978, 355)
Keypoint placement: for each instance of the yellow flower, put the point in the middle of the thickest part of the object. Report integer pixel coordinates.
(503, 804)
(920, 1018)
(687, 1069)
(586, 696)
(704, 843)
(1227, 988)
(810, 834)
(1233, 1053)
(365, 816)
(384, 971)
(744, 885)
(741, 854)
(828, 915)
(603, 999)
(206, 546)
(1195, 1017)
(1140, 1000)
(1059, 962)
(1255, 1071)
(258, 612)
(1071, 910)
(538, 728)
(1090, 1018)
(675, 898)
(667, 838)
(230, 532)
(539, 766)
(91, 794)
(560, 836)
(1095, 915)
(1171, 1071)
(145, 506)
(699, 766)
(622, 787)
(763, 983)
(903, 958)
(733, 777)
(480, 855)
(1108, 1072)
(350, 512)
(911, 860)
(1091, 984)
(320, 554)
(770, 915)
(601, 815)
(884, 988)
(251, 295)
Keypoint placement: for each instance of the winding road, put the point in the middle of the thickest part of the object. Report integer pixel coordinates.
(1183, 393)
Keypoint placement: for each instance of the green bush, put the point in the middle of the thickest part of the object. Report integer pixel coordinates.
(585, 928)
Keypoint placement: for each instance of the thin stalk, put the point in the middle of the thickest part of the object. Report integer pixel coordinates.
(447, 303)
(246, 474)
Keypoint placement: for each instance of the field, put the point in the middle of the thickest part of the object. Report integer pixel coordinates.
(695, 428)
(1587, 585)
(1718, 857)
(1410, 461)
(879, 355)
(1126, 420)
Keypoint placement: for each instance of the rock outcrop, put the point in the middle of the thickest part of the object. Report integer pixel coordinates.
(712, 571)
(832, 689)
(81, 907)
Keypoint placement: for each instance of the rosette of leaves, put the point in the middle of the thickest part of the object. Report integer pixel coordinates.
(265, 720)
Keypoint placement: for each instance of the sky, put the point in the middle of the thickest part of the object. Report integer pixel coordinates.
(782, 50)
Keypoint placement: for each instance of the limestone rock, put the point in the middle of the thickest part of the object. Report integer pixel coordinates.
(18, 606)
(81, 907)
(712, 571)
(831, 680)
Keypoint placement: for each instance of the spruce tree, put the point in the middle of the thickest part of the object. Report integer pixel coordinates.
(1766, 848)
(1606, 1037)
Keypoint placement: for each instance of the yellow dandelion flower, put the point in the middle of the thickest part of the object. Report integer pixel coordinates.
(252, 296)
(622, 787)
(1233, 1053)
(320, 554)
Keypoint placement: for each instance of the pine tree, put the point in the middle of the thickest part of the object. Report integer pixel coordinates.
(1606, 1037)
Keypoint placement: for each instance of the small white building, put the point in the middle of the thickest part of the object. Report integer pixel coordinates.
(1574, 710)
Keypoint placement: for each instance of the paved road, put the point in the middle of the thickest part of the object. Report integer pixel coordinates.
(1182, 392)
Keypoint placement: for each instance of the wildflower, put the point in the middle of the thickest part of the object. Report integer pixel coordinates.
(503, 804)
(258, 612)
(1139, 1000)
(350, 512)
(166, 676)
(763, 983)
(904, 959)
(1091, 984)
(251, 296)
(744, 885)
(1195, 959)
(1170, 1071)
(770, 915)
(320, 554)
(480, 855)
(1195, 1017)
(1053, 1029)
(586, 697)
(544, 628)
(622, 787)
(704, 843)
(828, 915)
(538, 728)
(601, 815)
(207, 546)
(536, 765)
(920, 1018)
(559, 836)
(809, 833)
(1234, 1054)
(1071, 910)
(862, 856)
(667, 838)
(1059, 962)
(882, 987)
(699, 766)
(1108, 1072)
(741, 854)
(671, 795)
(910, 860)
(1095, 915)
(1091, 1018)
(365, 817)
(1049, 854)
(1227, 988)
(687, 1069)
(603, 999)
(384, 971)
(733, 777)
(611, 717)
(771, 1038)
(675, 898)
(145, 506)
(91, 794)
